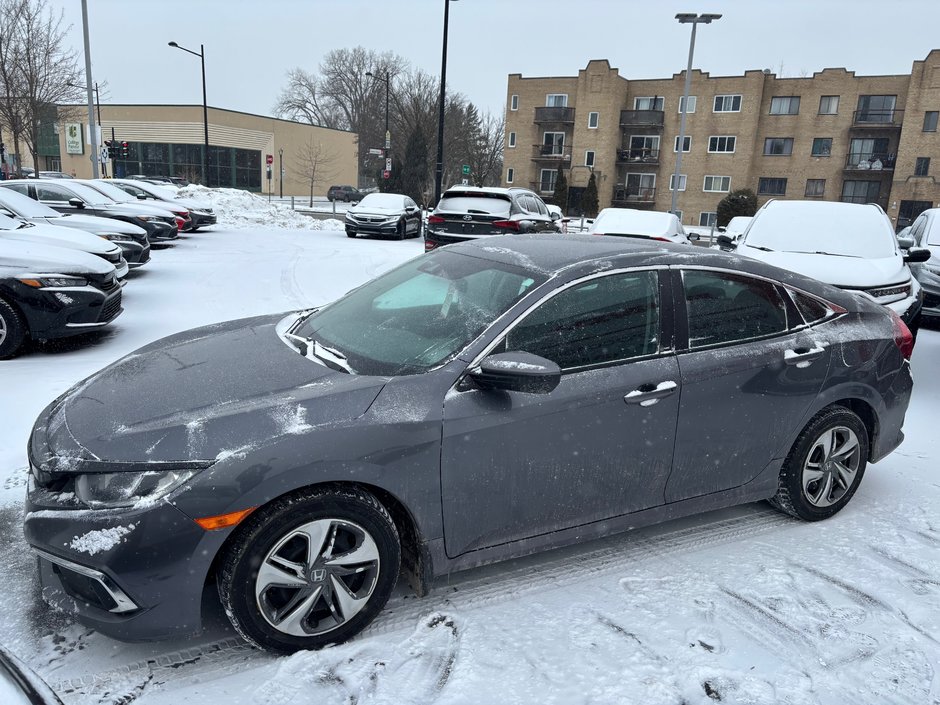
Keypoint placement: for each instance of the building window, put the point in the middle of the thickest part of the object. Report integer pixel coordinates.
(556, 100)
(829, 105)
(643, 148)
(512, 139)
(682, 180)
(869, 153)
(686, 144)
(785, 105)
(815, 188)
(930, 121)
(860, 191)
(727, 104)
(771, 186)
(547, 180)
(708, 219)
(718, 184)
(640, 186)
(876, 108)
(589, 158)
(514, 102)
(593, 119)
(778, 146)
(822, 146)
(509, 175)
(692, 101)
(922, 166)
(553, 144)
(721, 143)
(648, 103)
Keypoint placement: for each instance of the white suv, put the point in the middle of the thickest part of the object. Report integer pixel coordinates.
(849, 245)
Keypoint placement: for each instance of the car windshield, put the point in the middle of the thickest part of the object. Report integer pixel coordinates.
(828, 228)
(112, 192)
(493, 204)
(8, 223)
(25, 206)
(88, 194)
(623, 221)
(382, 200)
(417, 316)
(933, 236)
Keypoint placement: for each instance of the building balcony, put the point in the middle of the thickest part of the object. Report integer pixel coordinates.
(642, 118)
(633, 197)
(555, 154)
(877, 119)
(638, 157)
(562, 116)
(869, 163)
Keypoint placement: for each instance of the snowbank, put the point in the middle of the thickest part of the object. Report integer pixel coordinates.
(242, 209)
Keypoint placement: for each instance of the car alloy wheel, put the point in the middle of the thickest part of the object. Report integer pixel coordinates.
(310, 569)
(825, 465)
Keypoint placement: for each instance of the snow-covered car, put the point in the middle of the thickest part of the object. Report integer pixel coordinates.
(849, 245)
(14, 229)
(51, 292)
(925, 233)
(20, 685)
(737, 225)
(630, 222)
(201, 213)
(131, 239)
(384, 214)
(483, 401)
(183, 218)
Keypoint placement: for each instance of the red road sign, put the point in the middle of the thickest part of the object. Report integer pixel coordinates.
(268, 158)
(386, 174)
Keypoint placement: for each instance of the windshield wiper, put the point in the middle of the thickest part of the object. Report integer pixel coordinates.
(333, 358)
(828, 254)
(761, 247)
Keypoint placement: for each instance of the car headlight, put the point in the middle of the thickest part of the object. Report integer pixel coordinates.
(109, 490)
(38, 283)
(112, 236)
(147, 218)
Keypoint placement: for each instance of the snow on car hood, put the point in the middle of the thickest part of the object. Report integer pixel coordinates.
(840, 270)
(96, 224)
(35, 258)
(54, 236)
(374, 210)
(199, 395)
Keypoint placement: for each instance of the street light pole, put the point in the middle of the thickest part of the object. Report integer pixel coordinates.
(205, 107)
(280, 166)
(388, 81)
(694, 20)
(92, 128)
(439, 170)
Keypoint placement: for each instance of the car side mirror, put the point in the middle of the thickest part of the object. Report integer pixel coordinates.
(77, 203)
(726, 241)
(916, 255)
(694, 237)
(516, 372)
(410, 209)
(141, 197)
(555, 216)
(906, 242)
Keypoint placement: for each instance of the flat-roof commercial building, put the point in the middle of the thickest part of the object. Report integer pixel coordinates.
(170, 139)
(832, 136)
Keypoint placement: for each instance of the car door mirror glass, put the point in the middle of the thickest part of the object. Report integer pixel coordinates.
(916, 255)
(76, 203)
(725, 241)
(517, 371)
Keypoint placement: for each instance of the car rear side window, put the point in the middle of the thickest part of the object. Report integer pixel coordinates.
(726, 308)
(602, 320)
(813, 310)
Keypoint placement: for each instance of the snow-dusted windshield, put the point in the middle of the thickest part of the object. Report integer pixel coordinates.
(8, 223)
(382, 200)
(830, 228)
(24, 205)
(89, 195)
(416, 316)
(112, 192)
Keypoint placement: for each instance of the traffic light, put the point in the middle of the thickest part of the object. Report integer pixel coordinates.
(125, 150)
(112, 149)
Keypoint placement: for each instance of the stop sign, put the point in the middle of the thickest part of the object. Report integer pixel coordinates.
(386, 174)
(268, 158)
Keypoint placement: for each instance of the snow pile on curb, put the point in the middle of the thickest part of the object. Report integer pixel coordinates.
(242, 209)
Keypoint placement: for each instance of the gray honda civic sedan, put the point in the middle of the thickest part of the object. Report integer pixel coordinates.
(480, 402)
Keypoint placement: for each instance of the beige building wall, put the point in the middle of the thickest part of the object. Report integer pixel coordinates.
(183, 124)
(600, 88)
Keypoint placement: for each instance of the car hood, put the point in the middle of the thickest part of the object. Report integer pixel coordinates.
(375, 210)
(35, 258)
(55, 236)
(194, 204)
(200, 395)
(96, 224)
(839, 270)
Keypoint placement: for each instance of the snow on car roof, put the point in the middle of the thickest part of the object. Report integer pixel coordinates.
(635, 222)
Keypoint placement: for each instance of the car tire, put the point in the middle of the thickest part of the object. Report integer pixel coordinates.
(825, 466)
(280, 599)
(13, 330)
(350, 233)
(402, 231)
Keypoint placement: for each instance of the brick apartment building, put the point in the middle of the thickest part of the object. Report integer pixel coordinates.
(835, 136)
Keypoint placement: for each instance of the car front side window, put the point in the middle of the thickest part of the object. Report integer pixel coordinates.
(44, 192)
(598, 321)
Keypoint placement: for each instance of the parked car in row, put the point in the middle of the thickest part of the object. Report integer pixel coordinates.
(52, 292)
(925, 233)
(201, 214)
(471, 212)
(384, 214)
(72, 196)
(344, 193)
(132, 240)
(849, 245)
(418, 423)
(105, 187)
(630, 222)
(161, 179)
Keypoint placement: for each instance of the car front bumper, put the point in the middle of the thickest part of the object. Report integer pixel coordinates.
(58, 312)
(930, 283)
(136, 253)
(377, 228)
(201, 219)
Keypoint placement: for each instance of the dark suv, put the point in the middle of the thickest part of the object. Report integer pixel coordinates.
(344, 193)
(470, 212)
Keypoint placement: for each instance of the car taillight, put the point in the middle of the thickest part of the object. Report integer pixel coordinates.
(506, 224)
(429, 245)
(903, 337)
(435, 220)
(180, 222)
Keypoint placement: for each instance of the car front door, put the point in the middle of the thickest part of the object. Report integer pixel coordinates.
(517, 465)
(747, 380)
(56, 197)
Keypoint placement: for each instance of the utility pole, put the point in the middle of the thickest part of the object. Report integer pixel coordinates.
(92, 127)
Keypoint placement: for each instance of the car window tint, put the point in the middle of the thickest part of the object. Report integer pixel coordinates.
(917, 230)
(45, 192)
(19, 188)
(540, 205)
(724, 308)
(810, 308)
(474, 204)
(602, 320)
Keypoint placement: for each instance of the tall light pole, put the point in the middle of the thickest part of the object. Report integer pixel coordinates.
(694, 20)
(205, 107)
(93, 133)
(388, 81)
(439, 170)
(280, 166)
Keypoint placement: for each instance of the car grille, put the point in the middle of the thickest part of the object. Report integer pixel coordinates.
(111, 308)
(371, 218)
(108, 284)
(931, 300)
(113, 258)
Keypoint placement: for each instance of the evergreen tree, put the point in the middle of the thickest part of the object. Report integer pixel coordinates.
(560, 196)
(414, 175)
(589, 199)
(740, 202)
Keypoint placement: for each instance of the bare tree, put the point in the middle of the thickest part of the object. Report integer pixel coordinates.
(39, 70)
(302, 101)
(314, 163)
(486, 151)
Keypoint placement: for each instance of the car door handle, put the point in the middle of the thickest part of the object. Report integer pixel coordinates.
(649, 394)
(802, 357)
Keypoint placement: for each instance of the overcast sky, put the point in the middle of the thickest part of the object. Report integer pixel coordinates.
(251, 44)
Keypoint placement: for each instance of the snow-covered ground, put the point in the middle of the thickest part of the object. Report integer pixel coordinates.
(742, 605)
